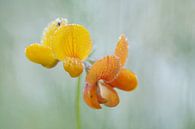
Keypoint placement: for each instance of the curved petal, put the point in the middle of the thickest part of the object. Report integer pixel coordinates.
(121, 49)
(126, 80)
(106, 69)
(49, 31)
(72, 40)
(101, 100)
(90, 96)
(41, 54)
(108, 94)
(73, 66)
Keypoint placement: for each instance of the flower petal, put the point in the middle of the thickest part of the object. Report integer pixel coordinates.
(90, 96)
(40, 54)
(109, 94)
(121, 49)
(126, 80)
(101, 100)
(49, 31)
(73, 66)
(106, 69)
(72, 40)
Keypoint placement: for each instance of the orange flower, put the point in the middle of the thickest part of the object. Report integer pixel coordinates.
(106, 74)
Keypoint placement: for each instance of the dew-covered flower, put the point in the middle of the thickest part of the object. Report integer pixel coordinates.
(105, 75)
(69, 43)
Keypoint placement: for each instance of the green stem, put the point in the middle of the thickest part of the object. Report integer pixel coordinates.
(78, 113)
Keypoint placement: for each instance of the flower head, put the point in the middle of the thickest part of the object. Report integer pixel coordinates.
(69, 43)
(72, 45)
(105, 75)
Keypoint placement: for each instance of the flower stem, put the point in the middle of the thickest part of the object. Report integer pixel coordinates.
(78, 114)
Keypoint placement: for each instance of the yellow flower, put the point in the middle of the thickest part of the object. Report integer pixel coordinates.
(72, 45)
(42, 53)
(69, 43)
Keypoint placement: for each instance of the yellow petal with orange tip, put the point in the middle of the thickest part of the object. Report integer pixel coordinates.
(73, 66)
(49, 31)
(40, 54)
(90, 96)
(106, 69)
(72, 40)
(121, 49)
(126, 80)
(108, 94)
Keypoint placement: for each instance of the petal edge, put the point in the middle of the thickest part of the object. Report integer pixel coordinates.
(72, 40)
(126, 80)
(121, 49)
(106, 69)
(73, 66)
(41, 54)
(90, 96)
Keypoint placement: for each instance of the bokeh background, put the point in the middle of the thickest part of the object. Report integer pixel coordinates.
(161, 36)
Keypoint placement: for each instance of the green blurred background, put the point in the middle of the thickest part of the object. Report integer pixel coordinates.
(161, 36)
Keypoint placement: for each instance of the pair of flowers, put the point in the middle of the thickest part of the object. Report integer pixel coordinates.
(71, 44)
